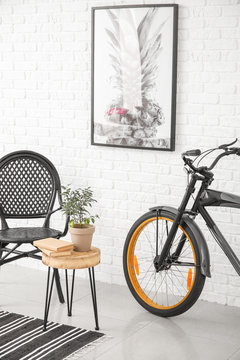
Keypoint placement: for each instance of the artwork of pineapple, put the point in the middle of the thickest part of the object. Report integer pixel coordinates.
(133, 117)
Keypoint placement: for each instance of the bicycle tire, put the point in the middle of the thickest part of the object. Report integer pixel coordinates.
(131, 268)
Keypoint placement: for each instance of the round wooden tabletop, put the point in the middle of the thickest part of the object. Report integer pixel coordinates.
(77, 260)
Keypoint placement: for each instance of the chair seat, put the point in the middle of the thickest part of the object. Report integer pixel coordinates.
(27, 234)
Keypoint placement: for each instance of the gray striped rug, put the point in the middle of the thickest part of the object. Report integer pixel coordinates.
(22, 338)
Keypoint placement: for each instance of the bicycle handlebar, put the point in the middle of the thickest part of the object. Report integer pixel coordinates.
(226, 146)
(204, 170)
(231, 151)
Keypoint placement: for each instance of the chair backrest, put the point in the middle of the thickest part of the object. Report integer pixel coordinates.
(29, 183)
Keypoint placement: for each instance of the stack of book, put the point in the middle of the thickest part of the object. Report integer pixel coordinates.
(54, 247)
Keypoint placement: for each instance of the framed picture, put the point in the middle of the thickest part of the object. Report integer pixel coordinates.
(134, 61)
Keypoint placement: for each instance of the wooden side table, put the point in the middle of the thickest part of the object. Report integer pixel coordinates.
(77, 260)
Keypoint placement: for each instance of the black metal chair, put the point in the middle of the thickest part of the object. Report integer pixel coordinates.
(29, 185)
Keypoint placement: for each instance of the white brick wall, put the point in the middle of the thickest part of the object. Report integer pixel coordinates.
(45, 106)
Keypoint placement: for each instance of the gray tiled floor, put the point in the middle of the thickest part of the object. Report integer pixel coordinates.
(208, 331)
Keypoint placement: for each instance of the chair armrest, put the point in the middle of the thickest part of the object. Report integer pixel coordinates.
(64, 233)
(53, 211)
(46, 222)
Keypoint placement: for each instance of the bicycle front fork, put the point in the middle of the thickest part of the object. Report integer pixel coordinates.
(161, 261)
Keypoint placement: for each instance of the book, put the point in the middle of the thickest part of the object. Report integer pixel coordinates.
(55, 253)
(53, 244)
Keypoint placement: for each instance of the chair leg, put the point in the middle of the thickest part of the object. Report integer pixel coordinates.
(69, 304)
(94, 295)
(59, 288)
(48, 297)
(1, 251)
(2, 246)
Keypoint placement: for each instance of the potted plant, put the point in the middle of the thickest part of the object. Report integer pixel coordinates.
(75, 203)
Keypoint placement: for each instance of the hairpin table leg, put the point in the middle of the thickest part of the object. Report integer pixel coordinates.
(69, 304)
(48, 297)
(94, 295)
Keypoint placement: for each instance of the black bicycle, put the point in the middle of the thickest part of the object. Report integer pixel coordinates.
(166, 257)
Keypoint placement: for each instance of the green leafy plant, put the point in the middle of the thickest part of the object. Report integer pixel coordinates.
(75, 204)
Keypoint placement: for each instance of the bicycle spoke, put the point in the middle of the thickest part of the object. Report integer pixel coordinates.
(145, 274)
(148, 240)
(148, 282)
(166, 288)
(179, 282)
(159, 286)
(173, 290)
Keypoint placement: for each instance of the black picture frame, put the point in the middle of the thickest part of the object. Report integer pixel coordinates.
(169, 144)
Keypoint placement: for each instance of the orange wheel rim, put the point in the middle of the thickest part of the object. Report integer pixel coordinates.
(133, 267)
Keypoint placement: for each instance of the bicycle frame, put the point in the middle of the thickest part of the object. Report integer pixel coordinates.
(204, 198)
